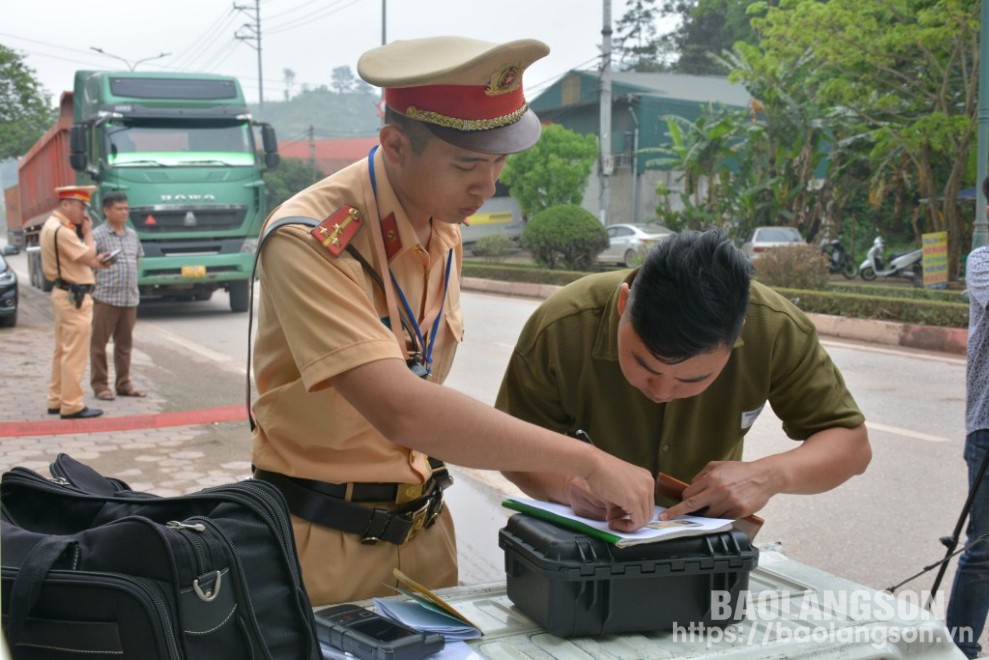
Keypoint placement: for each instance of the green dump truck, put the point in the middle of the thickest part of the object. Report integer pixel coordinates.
(182, 147)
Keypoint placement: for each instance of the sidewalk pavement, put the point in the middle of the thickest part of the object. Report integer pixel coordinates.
(149, 442)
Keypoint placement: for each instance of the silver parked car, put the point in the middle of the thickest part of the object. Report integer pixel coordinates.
(625, 241)
(764, 238)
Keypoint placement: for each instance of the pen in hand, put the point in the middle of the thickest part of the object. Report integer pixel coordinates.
(584, 436)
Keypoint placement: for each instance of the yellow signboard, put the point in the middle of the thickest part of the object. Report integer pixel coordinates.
(935, 261)
(499, 217)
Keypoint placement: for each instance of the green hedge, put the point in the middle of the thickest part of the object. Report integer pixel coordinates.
(919, 311)
(902, 304)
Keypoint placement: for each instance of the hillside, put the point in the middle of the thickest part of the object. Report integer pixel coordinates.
(330, 114)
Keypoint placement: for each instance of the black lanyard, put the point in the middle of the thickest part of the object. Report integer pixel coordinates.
(413, 318)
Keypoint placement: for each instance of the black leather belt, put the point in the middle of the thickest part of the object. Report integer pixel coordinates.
(327, 504)
(69, 286)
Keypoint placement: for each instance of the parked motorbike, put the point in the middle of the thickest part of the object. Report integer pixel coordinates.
(839, 259)
(909, 265)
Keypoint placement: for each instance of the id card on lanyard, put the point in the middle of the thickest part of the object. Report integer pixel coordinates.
(421, 361)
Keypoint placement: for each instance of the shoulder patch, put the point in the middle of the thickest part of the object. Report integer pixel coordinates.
(337, 230)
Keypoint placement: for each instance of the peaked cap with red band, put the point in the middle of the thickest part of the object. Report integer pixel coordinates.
(467, 92)
(81, 193)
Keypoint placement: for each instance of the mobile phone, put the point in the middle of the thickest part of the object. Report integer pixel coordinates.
(111, 256)
(366, 634)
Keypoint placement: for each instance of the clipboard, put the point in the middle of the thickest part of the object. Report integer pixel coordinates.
(672, 488)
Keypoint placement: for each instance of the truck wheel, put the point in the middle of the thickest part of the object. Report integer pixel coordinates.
(868, 273)
(238, 296)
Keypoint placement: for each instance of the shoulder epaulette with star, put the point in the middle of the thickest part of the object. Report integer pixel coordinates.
(336, 232)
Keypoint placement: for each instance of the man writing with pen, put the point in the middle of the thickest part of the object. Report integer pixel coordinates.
(668, 366)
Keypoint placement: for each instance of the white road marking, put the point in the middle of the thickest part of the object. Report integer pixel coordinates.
(906, 432)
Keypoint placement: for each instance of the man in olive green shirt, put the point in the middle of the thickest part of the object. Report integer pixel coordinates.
(668, 367)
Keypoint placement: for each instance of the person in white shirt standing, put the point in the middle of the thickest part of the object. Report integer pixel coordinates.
(115, 300)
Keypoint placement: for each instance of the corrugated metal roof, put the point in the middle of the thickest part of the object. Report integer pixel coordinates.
(700, 89)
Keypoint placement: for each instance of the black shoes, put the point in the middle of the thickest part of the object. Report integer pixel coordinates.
(85, 413)
(54, 411)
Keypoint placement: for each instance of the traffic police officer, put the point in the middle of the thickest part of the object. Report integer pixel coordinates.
(68, 257)
(359, 319)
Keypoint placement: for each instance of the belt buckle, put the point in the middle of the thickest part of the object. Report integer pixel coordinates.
(420, 517)
(408, 493)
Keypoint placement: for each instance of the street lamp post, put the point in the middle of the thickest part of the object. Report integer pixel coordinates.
(126, 61)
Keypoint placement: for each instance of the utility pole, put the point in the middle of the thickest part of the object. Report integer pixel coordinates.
(980, 231)
(384, 22)
(606, 161)
(253, 33)
(312, 152)
(127, 62)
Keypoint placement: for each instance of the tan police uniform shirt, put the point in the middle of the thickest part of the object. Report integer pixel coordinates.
(778, 359)
(320, 316)
(71, 249)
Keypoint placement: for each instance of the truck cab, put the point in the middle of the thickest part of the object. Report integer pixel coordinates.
(182, 148)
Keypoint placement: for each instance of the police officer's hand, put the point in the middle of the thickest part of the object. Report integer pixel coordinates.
(725, 489)
(584, 502)
(86, 225)
(627, 490)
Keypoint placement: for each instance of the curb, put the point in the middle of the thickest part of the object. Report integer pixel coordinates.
(953, 341)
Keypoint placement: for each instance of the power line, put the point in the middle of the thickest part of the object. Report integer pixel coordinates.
(206, 39)
(308, 19)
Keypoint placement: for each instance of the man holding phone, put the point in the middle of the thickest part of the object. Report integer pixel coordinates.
(69, 257)
(115, 299)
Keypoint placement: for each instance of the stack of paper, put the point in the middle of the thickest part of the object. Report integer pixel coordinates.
(657, 530)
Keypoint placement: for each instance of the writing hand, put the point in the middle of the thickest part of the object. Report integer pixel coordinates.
(724, 489)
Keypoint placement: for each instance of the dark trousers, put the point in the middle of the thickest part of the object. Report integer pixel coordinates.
(118, 323)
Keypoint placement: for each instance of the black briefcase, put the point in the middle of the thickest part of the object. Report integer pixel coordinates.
(91, 568)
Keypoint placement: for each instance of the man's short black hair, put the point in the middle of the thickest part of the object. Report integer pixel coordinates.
(113, 197)
(419, 135)
(690, 296)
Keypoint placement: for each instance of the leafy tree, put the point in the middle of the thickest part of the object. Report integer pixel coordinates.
(636, 44)
(553, 172)
(24, 106)
(706, 28)
(907, 70)
(291, 176)
(343, 80)
(289, 76)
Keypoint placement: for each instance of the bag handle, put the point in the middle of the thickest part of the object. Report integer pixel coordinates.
(86, 478)
(30, 580)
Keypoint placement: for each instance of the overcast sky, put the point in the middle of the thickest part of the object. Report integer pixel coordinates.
(310, 37)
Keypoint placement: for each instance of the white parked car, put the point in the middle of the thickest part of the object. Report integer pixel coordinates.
(764, 238)
(625, 241)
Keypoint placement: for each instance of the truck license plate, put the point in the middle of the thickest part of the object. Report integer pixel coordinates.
(193, 272)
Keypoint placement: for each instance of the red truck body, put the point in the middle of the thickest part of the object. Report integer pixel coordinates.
(42, 169)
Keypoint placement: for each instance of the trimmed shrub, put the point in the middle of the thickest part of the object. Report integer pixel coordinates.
(566, 235)
(493, 246)
(793, 266)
